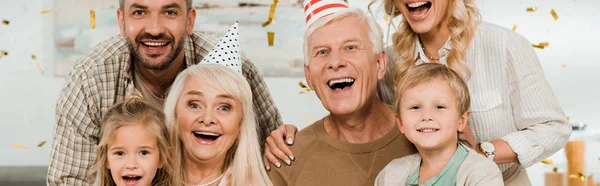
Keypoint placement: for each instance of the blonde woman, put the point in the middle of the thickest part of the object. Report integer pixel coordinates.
(515, 117)
(210, 114)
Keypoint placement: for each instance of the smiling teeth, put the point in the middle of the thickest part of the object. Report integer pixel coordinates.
(428, 130)
(207, 133)
(416, 4)
(344, 80)
(154, 43)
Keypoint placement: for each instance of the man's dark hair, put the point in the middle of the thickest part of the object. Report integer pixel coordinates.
(188, 2)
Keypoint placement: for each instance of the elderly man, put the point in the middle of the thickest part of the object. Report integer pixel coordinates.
(344, 60)
(156, 43)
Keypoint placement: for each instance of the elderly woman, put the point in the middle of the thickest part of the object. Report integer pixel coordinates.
(515, 116)
(210, 114)
(209, 110)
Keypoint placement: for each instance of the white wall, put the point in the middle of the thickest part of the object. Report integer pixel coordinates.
(28, 98)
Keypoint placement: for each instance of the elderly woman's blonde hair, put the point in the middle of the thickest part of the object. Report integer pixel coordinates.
(463, 20)
(427, 72)
(244, 157)
(134, 111)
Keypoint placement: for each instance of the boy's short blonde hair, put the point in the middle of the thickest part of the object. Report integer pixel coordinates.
(428, 71)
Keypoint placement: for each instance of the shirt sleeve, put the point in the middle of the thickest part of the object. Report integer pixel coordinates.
(540, 120)
(267, 114)
(75, 135)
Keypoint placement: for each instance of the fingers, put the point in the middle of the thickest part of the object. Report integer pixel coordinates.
(265, 160)
(277, 148)
(290, 133)
(275, 153)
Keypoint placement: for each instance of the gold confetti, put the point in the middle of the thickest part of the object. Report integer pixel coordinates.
(271, 14)
(547, 161)
(5, 22)
(542, 45)
(46, 11)
(554, 15)
(33, 57)
(564, 66)
(387, 19)
(19, 146)
(271, 37)
(555, 169)
(42, 144)
(309, 118)
(580, 176)
(514, 27)
(531, 9)
(568, 119)
(303, 86)
(3, 53)
(92, 19)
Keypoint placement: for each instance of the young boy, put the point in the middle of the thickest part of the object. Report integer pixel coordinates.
(433, 103)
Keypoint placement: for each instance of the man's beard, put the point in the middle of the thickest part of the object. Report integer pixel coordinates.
(163, 64)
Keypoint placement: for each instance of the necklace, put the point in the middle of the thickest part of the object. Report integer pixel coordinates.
(209, 183)
(424, 51)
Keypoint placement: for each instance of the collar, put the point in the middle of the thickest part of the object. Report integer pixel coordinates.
(420, 54)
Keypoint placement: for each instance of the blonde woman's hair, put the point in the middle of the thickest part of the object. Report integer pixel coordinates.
(244, 157)
(134, 111)
(463, 19)
(375, 34)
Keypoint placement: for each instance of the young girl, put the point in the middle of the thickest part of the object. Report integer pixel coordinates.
(433, 103)
(134, 146)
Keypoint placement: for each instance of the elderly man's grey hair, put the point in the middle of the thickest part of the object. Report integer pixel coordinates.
(188, 2)
(375, 33)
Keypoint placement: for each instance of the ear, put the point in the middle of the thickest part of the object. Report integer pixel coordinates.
(381, 64)
(191, 19)
(307, 76)
(462, 120)
(400, 126)
(120, 18)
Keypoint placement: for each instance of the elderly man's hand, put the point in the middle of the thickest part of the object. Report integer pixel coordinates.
(276, 147)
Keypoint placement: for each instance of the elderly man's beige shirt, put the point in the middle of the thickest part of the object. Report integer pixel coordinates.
(324, 160)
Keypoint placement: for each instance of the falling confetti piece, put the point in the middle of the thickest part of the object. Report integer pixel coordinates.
(34, 57)
(271, 14)
(569, 118)
(303, 86)
(580, 176)
(39, 67)
(542, 45)
(271, 37)
(547, 162)
(387, 19)
(554, 15)
(42, 144)
(514, 27)
(19, 146)
(555, 169)
(5, 22)
(3, 53)
(92, 19)
(564, 66)
(309, 118)
(531, 9)
(46, 11)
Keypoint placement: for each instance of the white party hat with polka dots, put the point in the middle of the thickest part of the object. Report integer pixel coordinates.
(226, 51)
